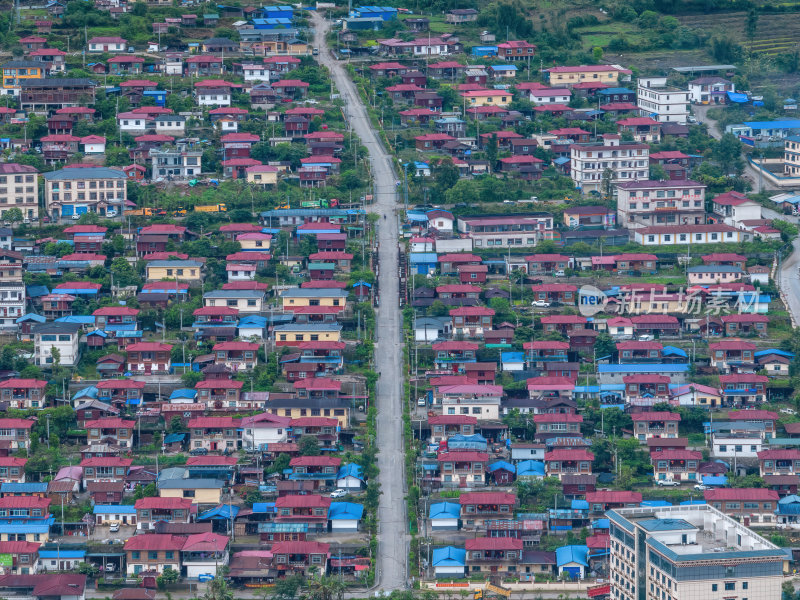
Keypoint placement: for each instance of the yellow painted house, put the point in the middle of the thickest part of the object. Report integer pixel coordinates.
(182, 270)
(201, 491)
(15, 71)
(264, 175)
(294, 409)
(254, 241)
(292, 334)
(566, 76)
(301, 297)
(488, 97)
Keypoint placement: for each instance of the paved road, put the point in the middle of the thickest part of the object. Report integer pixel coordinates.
(788, 275)
(759, 183)
(393, 524)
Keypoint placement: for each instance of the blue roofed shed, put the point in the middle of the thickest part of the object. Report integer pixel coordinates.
(449, 562)
(344, 516)
(572, 560)
(502, 472)
(350, 477)
(444, 516)
(531, 469)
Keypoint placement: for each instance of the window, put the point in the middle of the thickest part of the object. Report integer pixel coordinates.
(730, 585)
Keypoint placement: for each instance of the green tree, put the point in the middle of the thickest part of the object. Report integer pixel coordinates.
(13, 215)
(218, 588)
(167, 577)
(751, 26)
(324, 587)
(604, 345)
(491, 151)
(658, 173)
(286, 588)
(728, 152)
(308, 446)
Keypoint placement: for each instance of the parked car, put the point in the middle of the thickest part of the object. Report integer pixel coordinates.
(114, 528)
(559, 273)
(700, 487)
(540, 303)
(421, 401)
(668, 483)
(198, 451)
(788, 411)
(338, 493)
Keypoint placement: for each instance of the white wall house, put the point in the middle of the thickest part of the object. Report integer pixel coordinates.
(62, 336)
(589, 162)
(663, 103)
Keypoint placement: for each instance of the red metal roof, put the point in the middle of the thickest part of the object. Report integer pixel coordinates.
(744, 318)
(546, 345)
(564, 320)
(742, 494)
(155, 542)
(11, 423)
(452, 420)
(235, 346)
(462, 456)
(487, 498)
(149, 347)
(23, 383)
(493, 543)
(156, 502)
(302, 501)
(212, 422)
(661, 415)
(634, 345)
(224, 384)
(760, 415)
(557, 418)
(313, 422)
(731, 345)
(613, 496)
(471, 311)
(109, 423)
(646, 378)
(554, 287)
(318, 383)
(299, 547)
(566, 454)
(106, 461)
(205, 542)
(677, 454)
(315, 461)
(779, 455)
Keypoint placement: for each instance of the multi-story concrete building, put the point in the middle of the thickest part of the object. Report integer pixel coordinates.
(18, 188)
(181, 161)
(648, 203)
(71, 192)
(663, 103)
(12, 291)
(686, 552)
(591, 165)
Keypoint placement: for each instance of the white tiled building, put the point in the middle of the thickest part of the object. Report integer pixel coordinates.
(589, 162)
(663, 103)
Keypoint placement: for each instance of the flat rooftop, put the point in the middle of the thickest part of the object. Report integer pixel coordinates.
(712, 535)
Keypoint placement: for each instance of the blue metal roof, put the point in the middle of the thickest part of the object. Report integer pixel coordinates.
(183, 393)
(444, 510)
(114, 509)
(222, 512)
(643, 368)
(673, 351)
(530, 468)
(579, 505)
(345, 511)
(31, 317)
(80, 319)
(449, 556)
(572, 554)
(773, 351)
(350, 470)
(655, 503)
(422, 257)
(512, 356)
(715, 480)
(779, 124)
(692, 502)
(263, 507)
(665, 524)
(601, 524)
(62, 553)
(501, 464)
(23, 488)
(35, 291)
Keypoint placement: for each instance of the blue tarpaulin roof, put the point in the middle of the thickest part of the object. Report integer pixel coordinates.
(62, 554)
(737, 97)
(579, 505)
(715, 480)
(656, 503)
(350, 470)
(673, 351)
(173, 438)
(183, 393)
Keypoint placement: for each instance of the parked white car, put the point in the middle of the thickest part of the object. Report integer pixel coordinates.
(540, 303)
(338, 493)
(668, 483)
